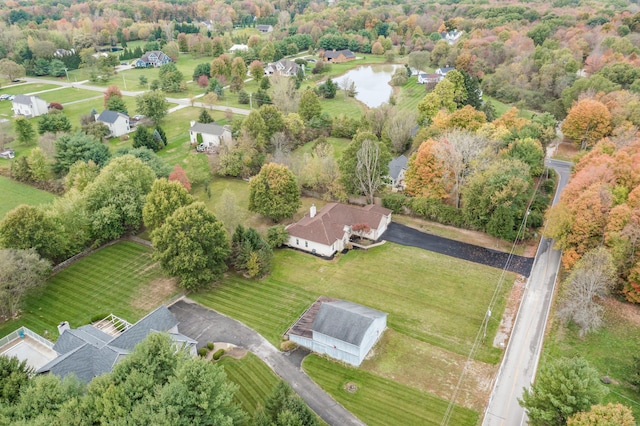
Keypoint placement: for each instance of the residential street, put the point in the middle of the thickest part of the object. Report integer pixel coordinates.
(206, 325)
(520, 361)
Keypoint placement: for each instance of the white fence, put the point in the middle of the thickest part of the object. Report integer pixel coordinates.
(24, 331)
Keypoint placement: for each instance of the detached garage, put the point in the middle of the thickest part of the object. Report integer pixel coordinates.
(343, 330)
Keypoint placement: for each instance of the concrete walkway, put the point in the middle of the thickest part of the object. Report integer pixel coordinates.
(206, 325)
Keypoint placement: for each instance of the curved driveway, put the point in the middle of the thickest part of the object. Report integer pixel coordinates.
(404, 235)
(206, 325)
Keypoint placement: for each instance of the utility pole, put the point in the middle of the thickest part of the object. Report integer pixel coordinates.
(250, 102)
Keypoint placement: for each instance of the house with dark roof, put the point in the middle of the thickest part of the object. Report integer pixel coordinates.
(424, 78)
(397, 169)
(283, 67)
(29, 106)
(153, 58)
(264, 29)
(338, 56)
(117, 122)
(329, 230)
(444, 70)
(341, 329)
(211, 135)
(92, 350)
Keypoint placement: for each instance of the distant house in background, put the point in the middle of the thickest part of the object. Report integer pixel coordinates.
(452, 36)
(212, 135)
(239, 48)
(338, 56)
(154, 58)
(283, 67)
(117, 122)
(397, 169)
(424, 78)
(444, 70)
(60, 53)
(328, 231)
(343, 330)
(264, 29)
(91, 350)
(29, 106)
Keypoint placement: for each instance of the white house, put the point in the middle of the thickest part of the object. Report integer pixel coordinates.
(117, 122)
(343, 330)
(444, 70)
(397, 169)
(212, 135)
(264, 29)
(239, 48)
(29, 106)
(328, 231)
(283, 67)
(424, 78)
(452, 36)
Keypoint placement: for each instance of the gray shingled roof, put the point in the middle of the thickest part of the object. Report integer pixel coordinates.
(332, 54)
(396, 165)
(107, 116)
(159, 320)
(345, 321)
(209, 129)
(22, 99)
(88, 352)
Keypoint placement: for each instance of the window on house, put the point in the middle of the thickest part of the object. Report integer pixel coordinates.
(306, 243)
(297, 241)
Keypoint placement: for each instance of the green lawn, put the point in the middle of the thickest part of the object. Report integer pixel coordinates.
(342, 104)
(23, 89)
(339, 145)
(421, 290)
(16, 193)
(610, 350)
(254, 377)
(118, 279)
(410, 95)
(380, 401)
(69, 94)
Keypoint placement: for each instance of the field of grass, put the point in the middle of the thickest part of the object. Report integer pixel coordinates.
(16, 193)
(339, 145)
(342, 104)
(23, 89)
(610, 350)
(69, 95)
(420, 290)
(380, 401)
(118, 279)
(255, 378)
(410, 95)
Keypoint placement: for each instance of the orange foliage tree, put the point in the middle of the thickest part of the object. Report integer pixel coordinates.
(588, 121)
(425, 176)
(178, 174)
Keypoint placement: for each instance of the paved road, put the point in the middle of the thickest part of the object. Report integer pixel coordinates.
(520, 362)
(206, 325)
(401, 234)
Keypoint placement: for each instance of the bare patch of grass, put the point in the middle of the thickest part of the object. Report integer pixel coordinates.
(157, 291)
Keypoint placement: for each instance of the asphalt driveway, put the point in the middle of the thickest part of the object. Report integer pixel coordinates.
(206, 325)
(401, 234)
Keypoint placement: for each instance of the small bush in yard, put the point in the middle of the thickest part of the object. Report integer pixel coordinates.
(218, 354)
(288, 346)
(210, 346)
(203, 352)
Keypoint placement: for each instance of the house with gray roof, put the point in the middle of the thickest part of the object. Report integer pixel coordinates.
(397, 169)
(283, 67)
(328, 231)
(29, 106)
(92, 350)
(117, 122)
(264, 29)
(211, 135)
(338, 56)
(153, 58)
(341, 329)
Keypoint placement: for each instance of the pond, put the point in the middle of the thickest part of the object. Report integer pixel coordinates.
(372, 83)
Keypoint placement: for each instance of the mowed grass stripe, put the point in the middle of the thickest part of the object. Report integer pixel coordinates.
(103, 282)
(255, 379)
(380, 401)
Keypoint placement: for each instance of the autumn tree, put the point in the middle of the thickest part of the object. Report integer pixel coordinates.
(192, 245)
(165, 198)
(11, 70)
(153, 105)
(256, 70)
(547, 401)
(178, 174)
(111, 92)
(274, 192)
(587, 122)
(116, 197)
(425, 176)
(603, 415)
(20, 270)
(363, 165)
(238, 74)
(530, 152)
(592, 278)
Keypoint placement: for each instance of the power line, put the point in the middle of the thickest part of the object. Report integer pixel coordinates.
(481, 334)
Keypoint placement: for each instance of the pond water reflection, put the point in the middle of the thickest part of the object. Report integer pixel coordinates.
(372, 83)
